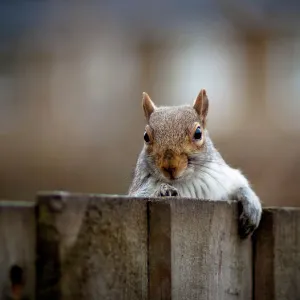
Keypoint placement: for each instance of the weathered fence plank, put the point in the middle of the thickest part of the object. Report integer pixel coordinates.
(277, 255)
(17, 243)
(195, 252)
(91, 247)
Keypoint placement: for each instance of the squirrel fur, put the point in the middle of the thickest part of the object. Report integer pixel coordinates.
(179, 159)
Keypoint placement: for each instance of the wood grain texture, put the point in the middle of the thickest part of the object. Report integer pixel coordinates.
(207, 259)
(277, 255)
(92, 247)
(17, 243)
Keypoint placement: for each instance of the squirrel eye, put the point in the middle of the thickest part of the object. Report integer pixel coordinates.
(146, 137)
(198, 134)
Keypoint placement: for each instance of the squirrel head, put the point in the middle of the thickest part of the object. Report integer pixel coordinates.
(174, 136)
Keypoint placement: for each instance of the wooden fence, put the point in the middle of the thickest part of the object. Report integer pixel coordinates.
(74, 246)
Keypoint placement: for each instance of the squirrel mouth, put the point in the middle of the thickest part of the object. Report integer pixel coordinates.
(173, 173)
(170, 172)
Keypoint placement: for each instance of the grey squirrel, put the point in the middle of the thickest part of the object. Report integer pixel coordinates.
(179, 159)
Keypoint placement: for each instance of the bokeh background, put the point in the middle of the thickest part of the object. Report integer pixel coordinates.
(72, 75)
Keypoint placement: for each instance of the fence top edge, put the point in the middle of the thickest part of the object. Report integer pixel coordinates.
(169, 200)
(66, 194)
(76, 194)
(274, 209)
(166, 200)
(17, 203)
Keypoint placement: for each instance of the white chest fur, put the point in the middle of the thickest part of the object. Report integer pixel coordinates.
(213, 182)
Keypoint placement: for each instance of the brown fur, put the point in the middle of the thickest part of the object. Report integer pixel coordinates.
(171, 148)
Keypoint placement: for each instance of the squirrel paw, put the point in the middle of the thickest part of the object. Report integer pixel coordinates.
(249, 218)
(250, 211)
(166, 190)
(246, 225)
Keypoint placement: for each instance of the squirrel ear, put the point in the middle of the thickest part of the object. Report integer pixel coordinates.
(201, 104)
(148, 106)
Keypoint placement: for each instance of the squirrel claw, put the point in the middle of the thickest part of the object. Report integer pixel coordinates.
(245, 228)
(166, 190)
(248, 220)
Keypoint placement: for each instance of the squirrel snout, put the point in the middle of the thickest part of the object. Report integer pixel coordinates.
(173, 166)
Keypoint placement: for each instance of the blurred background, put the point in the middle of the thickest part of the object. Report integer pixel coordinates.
(72, 75)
